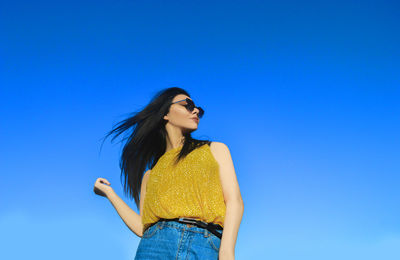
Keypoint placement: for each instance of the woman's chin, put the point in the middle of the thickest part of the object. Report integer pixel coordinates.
(191, 129)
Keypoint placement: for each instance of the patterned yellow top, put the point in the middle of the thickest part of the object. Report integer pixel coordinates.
(191, 189)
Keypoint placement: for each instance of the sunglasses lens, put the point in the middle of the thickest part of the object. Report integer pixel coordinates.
(189, 105)
(201, 112)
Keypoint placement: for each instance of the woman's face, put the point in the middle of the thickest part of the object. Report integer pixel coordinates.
(180, 117)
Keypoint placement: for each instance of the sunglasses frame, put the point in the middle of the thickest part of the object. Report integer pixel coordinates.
(190, 106)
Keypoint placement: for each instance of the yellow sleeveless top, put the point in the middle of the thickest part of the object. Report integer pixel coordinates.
(190, 189)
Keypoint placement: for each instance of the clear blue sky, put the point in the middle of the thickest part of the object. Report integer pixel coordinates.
(305, 95)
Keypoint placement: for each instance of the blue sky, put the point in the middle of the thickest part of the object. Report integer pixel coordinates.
(305, 95)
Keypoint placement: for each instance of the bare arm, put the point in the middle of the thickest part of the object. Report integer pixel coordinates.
(132, 220)
(233, 199)
(130, 217)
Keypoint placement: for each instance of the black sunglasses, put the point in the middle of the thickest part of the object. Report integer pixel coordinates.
(190, 106)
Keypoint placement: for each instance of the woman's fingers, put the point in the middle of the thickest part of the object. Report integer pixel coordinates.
(102, 187)
(104, 181)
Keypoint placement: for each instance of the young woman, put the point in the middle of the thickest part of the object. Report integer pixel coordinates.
(190, 203)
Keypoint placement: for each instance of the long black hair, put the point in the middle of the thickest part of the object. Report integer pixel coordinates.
(147, 141)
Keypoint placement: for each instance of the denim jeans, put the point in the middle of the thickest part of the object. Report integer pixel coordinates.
(178, 241)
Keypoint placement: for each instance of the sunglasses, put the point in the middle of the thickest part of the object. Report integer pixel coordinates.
(190, 106)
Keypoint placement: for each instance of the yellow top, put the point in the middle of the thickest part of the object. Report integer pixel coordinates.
(191, 189)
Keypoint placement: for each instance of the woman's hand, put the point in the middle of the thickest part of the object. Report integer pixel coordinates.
(102, 187)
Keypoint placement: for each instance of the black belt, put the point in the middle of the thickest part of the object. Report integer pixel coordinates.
(212, 227)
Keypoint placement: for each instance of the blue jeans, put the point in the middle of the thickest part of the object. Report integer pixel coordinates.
(174, 240)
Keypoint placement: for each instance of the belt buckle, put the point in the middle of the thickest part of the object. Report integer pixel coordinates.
(194, 222)
(187, 221)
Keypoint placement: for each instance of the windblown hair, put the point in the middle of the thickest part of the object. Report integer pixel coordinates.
(146, 142)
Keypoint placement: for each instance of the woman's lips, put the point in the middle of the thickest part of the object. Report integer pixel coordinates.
(196, 120)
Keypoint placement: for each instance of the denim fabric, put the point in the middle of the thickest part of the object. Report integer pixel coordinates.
(178, 241)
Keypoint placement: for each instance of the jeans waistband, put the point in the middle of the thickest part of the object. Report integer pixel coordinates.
(213, 228)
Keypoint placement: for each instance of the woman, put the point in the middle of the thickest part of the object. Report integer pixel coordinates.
(190, 203)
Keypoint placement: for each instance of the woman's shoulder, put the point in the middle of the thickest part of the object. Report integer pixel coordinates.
(218, 149)
(218, 145)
